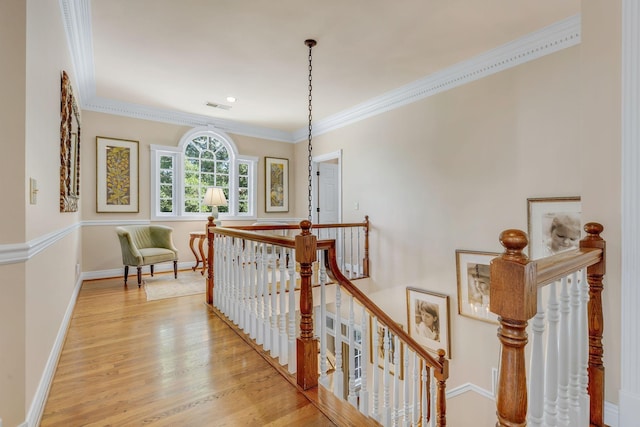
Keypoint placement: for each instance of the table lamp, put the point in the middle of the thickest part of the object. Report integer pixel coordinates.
(214, 197)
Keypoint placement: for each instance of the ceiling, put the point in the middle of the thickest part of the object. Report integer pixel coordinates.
(172, 57)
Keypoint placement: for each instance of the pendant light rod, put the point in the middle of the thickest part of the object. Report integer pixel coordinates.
(310, 43)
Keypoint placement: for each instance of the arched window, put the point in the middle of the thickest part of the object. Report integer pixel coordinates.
(204, 158)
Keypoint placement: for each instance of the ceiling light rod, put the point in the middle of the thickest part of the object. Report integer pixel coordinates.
(310, 43)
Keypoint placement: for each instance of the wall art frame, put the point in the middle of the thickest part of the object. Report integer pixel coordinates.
(381, 329)
(474, 283)
(553, 225)
(276, 184)
(116, 175)
(435, 305)
(69, 147)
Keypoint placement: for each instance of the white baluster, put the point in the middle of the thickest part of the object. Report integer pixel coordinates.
(574, 352)
(424, 409)
(260, 312)
(338, 375)
(397, 369)
(432, 400)
(551, 371)
(405, 395)
(386, 394)
(273, 313)
(563, 357)
(584, 348)
(351, 397)
(536, 378)
(364, 362)
(415, 397)
(283, 353)
(254, 288)
(242, 298)
(292, 312)
(375, 413)
(322, 330)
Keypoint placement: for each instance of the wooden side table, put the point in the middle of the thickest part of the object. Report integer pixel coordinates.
(200, 258)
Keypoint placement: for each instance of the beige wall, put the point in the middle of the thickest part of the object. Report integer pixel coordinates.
(454, 170)
(101, 250)
(12, 225)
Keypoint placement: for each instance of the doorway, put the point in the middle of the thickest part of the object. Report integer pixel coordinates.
(326, 185)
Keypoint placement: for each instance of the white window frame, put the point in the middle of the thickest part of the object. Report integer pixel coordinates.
(158, 151)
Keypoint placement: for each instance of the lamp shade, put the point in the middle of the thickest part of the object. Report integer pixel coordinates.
(214, 197)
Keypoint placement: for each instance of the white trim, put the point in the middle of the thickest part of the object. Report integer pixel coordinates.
(558, 36)
(464, 388)
(335, 155)
(36, 408)
(21, 252)
(629, 393)
(77, 21)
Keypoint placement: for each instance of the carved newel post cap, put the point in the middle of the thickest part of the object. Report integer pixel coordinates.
(210, 221)
(514, 241)
(593, 228)
(305, 225)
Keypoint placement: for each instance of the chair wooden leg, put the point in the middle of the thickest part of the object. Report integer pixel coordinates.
(126, 274)
(151, 270)
(139, 276)
(175, 269)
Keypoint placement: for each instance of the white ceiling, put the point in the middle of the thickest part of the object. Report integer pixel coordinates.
(174, 56)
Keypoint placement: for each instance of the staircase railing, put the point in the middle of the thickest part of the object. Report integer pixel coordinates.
(263, 283)
(566, 374)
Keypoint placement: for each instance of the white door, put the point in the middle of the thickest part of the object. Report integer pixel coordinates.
(328, 193)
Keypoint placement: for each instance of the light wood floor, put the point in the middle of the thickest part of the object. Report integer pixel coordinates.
(172, 362)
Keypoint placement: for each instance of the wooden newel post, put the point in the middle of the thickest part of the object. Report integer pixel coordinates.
(441, 390)
(306, 345)
(365, 262)
(596, 323)
(513, 298)
(210, 254)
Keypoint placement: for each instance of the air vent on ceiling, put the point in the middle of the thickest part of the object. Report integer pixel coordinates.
(216, 105)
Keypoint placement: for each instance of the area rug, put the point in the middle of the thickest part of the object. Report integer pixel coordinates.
(165, 286)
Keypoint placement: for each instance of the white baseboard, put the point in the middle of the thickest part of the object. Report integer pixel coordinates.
(119, 272)
(40, 398)
(629, 409)
(610, 410)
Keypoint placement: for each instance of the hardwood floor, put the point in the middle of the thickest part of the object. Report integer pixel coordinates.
(172, 362)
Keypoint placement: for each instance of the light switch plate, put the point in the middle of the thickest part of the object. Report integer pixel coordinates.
(33, 191)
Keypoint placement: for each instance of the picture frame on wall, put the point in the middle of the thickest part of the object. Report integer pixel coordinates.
(276, 184)
(381, 330)
(116, 175)
(554, 225)
(474, 284)
(428, 319)
(69, 147)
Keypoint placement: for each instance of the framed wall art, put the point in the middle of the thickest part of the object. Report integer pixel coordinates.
(380, 332)
(116, 175)
(69, 148)
(276, 185)
(474, 284)
(428, 319)
(554, 225)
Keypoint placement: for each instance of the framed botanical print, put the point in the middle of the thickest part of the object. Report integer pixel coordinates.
(474, 283)
(428, 319)
(276, 185)
(116, 175)
(554, 225)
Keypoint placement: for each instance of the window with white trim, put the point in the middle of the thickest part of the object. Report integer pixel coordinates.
(204, 158)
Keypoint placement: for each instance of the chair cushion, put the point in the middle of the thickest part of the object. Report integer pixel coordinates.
(157, 255)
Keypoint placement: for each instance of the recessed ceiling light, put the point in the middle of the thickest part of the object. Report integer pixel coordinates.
(231, 99)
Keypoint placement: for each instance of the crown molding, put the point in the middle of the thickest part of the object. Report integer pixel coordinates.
(548, 40)
(77, 23)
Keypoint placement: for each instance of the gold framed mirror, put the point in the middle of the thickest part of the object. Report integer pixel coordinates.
(69, 148)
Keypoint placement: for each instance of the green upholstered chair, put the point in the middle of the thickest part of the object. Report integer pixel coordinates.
(146, 245)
